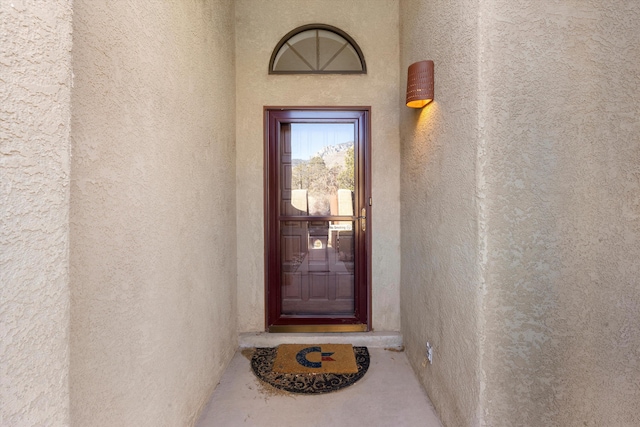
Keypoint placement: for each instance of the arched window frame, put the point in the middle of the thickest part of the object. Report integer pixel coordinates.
(324, 27)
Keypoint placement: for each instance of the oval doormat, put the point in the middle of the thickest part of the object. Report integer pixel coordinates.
(262, 365)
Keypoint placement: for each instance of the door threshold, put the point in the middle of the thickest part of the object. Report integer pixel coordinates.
(382, 339)
(359, 327)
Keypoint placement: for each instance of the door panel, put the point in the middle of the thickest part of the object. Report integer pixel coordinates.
(317, 252)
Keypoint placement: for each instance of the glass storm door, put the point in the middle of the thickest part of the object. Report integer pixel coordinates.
(317, 220)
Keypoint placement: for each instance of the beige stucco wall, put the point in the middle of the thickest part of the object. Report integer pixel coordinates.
(35, 85)
(374, 26)
(562, 169)
(440, 291)
(152, 209)
(549, 104)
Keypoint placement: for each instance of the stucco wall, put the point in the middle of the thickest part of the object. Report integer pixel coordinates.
(152, 209)
(440, 291)
(260, 25)
(35, 85)
(557, 211)
(562, 171)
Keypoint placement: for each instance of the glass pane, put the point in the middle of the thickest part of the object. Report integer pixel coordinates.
(287, 60)
(336, 54)
(317, 262)
(346, 60)
(329, 46)
(306, 48)
(317, 172)
(304, 57)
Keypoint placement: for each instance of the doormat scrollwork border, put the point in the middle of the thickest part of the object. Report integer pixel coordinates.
(262, 364)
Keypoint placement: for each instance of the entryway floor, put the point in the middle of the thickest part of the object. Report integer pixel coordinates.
(388, 395)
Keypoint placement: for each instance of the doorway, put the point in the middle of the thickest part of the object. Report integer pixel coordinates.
(318, 219)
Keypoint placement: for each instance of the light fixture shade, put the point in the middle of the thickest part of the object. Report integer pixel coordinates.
(420, 84)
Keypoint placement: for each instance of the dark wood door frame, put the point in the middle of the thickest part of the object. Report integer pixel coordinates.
(275, 321)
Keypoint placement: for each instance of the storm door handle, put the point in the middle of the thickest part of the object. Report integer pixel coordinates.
(363, 219)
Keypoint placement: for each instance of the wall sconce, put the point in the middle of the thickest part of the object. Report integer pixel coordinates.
(420, 84)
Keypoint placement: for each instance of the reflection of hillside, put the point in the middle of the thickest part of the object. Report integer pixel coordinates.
(333, 155)
(333, 160)
(321, 176)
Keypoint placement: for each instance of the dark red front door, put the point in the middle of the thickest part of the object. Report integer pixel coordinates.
(317, 219)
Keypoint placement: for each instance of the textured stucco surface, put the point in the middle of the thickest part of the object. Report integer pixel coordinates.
(440, 293)
(562, 169)
(35, 85)
(549, 104)
(374, 26)
(153, 316)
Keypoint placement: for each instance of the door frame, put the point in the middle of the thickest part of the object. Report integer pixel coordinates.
(274, 321)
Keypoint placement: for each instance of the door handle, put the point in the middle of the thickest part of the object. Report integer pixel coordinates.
(363, 219)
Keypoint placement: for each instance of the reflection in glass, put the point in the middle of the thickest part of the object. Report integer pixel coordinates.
(317, 256)
(317, 264)
(319, 170)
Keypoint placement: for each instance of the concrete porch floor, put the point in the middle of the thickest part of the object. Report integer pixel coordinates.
(388, 395)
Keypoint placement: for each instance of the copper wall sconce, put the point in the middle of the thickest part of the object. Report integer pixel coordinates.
(420, 84)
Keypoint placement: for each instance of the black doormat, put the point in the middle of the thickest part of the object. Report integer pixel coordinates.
(262, 364)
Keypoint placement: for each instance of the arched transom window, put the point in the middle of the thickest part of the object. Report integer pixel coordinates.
(317, 49)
